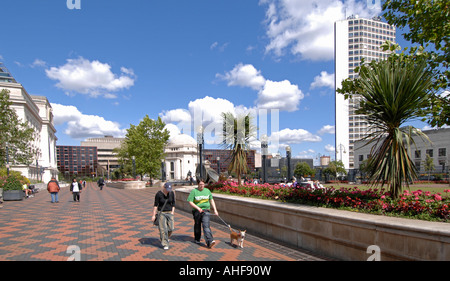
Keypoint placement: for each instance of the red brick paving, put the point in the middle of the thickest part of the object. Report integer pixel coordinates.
(114, 225)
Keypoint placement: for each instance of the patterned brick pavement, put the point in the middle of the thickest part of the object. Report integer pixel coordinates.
(114, 225)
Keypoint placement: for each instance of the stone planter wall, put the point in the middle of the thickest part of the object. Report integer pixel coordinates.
(13, 195)
(334, 233)
(126, 184)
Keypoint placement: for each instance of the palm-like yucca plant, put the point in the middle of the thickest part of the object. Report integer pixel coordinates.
(236, 134)
(393, 92)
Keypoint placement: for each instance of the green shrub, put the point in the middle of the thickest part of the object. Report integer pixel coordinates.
(11, 182)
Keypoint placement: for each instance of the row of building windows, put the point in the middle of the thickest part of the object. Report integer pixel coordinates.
(371, 35)
(371, 23)
(442, 152)
(365, 41)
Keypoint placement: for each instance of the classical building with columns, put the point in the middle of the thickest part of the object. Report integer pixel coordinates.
(37, 112)
(181, 157)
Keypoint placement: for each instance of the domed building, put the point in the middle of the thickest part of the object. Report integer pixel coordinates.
(181, 157)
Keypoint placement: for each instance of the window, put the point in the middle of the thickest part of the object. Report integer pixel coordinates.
(417, 154)
(417, 164)
(442, 152)
(430, 152)
(361, 157)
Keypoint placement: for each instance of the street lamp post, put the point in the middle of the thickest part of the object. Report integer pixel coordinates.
(341, 148)
(288, 156)
(7, 160)
(133, 158)
(163, 171)
(264, 152)
(200, 142)
(218, 165)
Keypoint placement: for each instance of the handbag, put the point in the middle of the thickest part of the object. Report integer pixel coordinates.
(156, 222)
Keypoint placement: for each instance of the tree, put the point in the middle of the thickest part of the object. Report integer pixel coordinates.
(14, 134)
(428, 165)
(393, 92)
(302, 169)
(334, 169)
(428, 25)
(146, 143)
(236, 134)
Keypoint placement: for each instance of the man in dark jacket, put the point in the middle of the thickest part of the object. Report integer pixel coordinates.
(76, 188)
(101, 183)
(53, 188)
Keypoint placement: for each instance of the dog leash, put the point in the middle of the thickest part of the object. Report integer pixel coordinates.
(224, 222)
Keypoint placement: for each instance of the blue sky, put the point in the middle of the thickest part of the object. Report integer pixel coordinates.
(107, 65)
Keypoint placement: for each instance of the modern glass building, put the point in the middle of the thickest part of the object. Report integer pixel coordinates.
(355, 39)
(5, 76)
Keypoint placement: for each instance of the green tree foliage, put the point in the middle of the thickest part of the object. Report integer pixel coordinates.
(334, 169)
(236, 133)
(146, 143)
(303, 169)
(393, 92)
(15, 134)
(428, 165)
(428, 26)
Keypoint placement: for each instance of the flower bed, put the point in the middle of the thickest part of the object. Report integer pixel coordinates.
(415, 204)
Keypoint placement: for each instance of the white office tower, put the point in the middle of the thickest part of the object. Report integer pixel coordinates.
(354, 38)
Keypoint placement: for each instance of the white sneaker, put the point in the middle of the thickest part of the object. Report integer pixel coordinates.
(166, 247)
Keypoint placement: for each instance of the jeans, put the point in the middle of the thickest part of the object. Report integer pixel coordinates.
(54, 196)
(202, 220)
(165, 227)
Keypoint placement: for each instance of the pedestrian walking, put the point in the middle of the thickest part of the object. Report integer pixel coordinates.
(53, 188)
(163, 211)
(101, 183)
(201, 201)
(76, 188)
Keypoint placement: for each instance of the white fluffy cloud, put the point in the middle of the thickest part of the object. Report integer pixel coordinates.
(204, 112)
(81, 126)
(294, 136)
(325, 79)
(327, 129)
(281, 95)
(244, 76)
(305, 27)
(329, 148)
(90, 77)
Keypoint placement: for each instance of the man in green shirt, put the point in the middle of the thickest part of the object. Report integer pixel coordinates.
(201, 201)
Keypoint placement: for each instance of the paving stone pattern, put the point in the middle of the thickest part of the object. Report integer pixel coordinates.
(114, 225)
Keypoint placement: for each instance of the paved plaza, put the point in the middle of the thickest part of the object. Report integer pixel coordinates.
(114, 225)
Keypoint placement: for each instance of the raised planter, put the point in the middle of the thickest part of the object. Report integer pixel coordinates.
(334, 233)
(126, 184)
(12, 195)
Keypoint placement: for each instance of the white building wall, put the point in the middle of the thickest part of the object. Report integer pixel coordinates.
(36, 110)
(355, 38)
(341, 104)
(439, 148)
